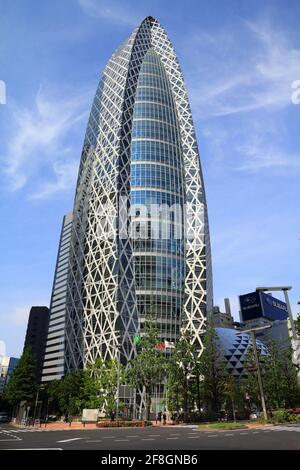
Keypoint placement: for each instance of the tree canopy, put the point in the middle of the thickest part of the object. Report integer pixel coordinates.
(22, 385)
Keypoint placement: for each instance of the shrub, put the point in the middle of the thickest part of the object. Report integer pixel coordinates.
(121, 424)
(280, 416)
(146, 423)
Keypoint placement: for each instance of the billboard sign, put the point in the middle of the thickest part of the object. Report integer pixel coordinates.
(274, 309)
(259, 304)
(250, 306)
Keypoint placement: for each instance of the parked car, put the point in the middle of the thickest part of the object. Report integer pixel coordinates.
(4, 417)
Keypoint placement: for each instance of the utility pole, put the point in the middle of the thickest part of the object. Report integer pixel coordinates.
(252, 332)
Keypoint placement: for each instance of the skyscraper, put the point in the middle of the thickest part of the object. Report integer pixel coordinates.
(140, 241)
(54, 357)
(36, 335)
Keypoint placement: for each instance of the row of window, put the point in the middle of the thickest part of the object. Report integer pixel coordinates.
(154, 111)
(153, 150)
(169, 246)
(158, 283)
(156, 176)
(155, 130)
(153, 94)
(148, 197)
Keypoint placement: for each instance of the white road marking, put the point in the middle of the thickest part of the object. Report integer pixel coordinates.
(228, 434)
(121, 440)
(148, 439)
(94, 441)
(168, 438)
(73, 439)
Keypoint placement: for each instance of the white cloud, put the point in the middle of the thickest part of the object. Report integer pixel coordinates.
(38, 142)
(251, 70)
(64, 177)
(251, 143)
(110, 10)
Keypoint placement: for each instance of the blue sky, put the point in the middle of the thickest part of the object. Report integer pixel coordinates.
(239, 60)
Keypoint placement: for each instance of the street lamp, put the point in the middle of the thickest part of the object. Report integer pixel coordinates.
(253, 331)
(285, 290)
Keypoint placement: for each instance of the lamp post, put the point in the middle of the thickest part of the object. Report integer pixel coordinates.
(252, 332)
(40, 387)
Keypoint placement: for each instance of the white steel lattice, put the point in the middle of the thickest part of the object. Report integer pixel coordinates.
(101, 305)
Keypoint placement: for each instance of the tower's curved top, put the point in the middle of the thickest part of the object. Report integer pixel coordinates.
(102, 301)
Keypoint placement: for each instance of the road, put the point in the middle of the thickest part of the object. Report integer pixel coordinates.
(152, 438)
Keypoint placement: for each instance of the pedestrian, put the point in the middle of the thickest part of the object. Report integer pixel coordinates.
(159, 417)
(164, 419)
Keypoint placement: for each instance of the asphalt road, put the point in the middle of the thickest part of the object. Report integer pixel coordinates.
(153, 438)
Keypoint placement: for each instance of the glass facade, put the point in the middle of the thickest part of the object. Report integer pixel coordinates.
(157, 163)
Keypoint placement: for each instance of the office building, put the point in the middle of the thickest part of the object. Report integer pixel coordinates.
(222, 319)
(53, 366)
(140, 243)
(36, 335)
(7, 366)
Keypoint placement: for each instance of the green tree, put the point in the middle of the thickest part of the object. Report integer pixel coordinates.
(213, 371)
(100, 386)
(52, 393)
(174, 388)
(181, 371)
(148, 366)
(279, 377)
(235, 401)
(249, 380)
(22, 385)
(65, 394)
(297, 324)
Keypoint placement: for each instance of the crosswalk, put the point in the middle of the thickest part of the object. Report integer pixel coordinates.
(16, 431)
(283, 428)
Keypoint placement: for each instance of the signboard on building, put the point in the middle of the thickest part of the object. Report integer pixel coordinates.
(260, 304)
